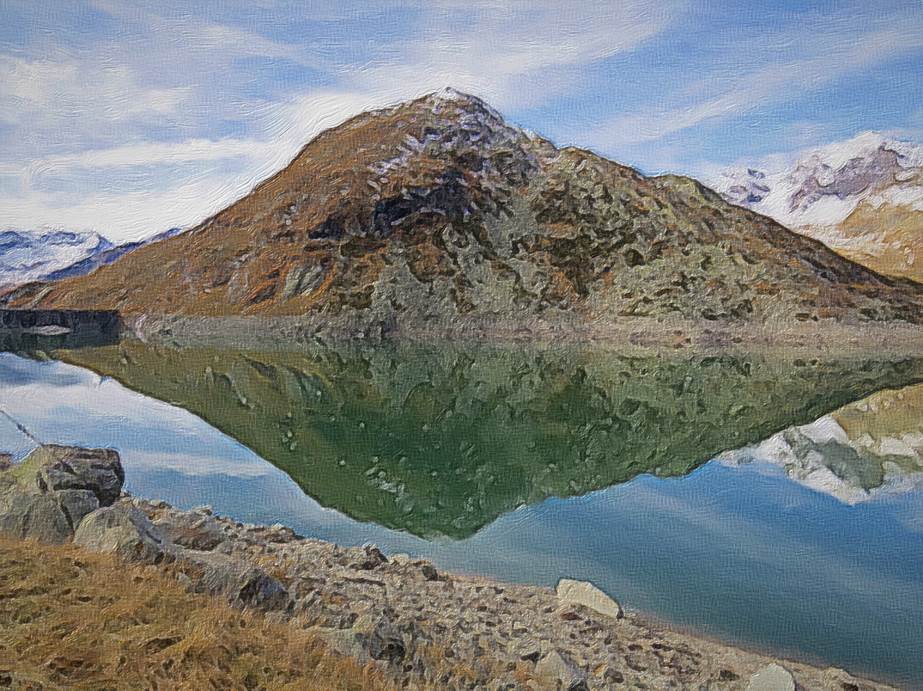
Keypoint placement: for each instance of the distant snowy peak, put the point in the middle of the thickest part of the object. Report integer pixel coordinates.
(32, 255)
(52, 255)
(824, 186)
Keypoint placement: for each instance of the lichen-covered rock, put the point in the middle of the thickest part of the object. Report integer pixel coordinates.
(122, 530)
(47, 495)
(32, 516)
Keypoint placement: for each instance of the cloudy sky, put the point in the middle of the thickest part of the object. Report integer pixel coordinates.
(131, 117)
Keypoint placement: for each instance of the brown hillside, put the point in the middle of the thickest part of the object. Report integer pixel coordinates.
(436, 209)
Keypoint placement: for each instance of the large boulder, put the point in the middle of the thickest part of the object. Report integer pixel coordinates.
(588, 595)
(47, 495)
(98, 471)
(33, 516)
(123, 530)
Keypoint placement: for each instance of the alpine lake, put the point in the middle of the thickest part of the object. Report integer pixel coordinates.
(768, 500)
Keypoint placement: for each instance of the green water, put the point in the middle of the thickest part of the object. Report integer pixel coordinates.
(441, 440)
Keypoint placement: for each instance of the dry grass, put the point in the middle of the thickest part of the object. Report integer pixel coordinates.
(85, 621)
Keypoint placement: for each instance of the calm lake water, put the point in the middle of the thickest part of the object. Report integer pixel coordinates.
(530, 465)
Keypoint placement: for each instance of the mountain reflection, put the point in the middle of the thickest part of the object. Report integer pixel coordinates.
(441, 440)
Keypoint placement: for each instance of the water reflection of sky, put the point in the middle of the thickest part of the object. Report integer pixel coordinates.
(742, 552)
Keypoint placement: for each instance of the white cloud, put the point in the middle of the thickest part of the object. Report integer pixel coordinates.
(93, 116)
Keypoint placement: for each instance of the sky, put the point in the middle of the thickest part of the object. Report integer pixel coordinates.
(132, 117)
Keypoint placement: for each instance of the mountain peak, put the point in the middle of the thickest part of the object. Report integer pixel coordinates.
(436, 210)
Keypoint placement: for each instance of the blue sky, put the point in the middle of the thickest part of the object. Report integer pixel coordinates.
(130, 117)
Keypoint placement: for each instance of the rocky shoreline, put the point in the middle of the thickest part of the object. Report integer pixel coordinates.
(630, 334)
(422, 627)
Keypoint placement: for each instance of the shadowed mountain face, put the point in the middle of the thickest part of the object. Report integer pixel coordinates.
(438, 210)
(443, 440)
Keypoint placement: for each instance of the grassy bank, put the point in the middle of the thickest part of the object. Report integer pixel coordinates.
(74, 619)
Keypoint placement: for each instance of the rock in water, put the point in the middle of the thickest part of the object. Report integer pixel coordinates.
(122, 530)
(772, 677)
(586, 594)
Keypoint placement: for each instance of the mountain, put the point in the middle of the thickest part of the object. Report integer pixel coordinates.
(98, 259)
(28, 256)
(35, 255)
(862, 197)
(436, 210)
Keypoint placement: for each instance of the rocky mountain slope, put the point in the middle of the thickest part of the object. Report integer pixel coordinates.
(437, 210)
(862, 197)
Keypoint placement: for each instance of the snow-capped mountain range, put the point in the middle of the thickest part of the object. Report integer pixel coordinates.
(49, 255)
(862, 197)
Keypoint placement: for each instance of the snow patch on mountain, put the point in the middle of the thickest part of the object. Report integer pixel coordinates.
(821, 187)
(51, 255)
(32, 255)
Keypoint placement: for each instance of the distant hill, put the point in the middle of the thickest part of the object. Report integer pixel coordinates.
(437, 210)
(862, 197)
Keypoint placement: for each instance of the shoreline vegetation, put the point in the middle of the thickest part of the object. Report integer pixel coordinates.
(391, 620)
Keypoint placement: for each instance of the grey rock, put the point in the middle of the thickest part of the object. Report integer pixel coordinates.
(772, 677)
(196, 531)
(429, 572)
(47, 495)
(558, 670)
(343, 641)
(76, 503)
(588, 595)
(72, 468)
(34, 516)
(380, 638)
(122, 530)
(241, 583)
